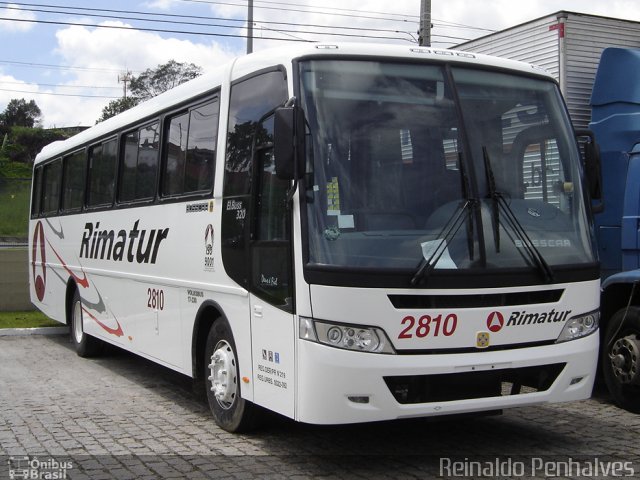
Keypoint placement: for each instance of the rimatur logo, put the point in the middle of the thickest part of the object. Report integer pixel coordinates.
(495, 322)
(39, 269)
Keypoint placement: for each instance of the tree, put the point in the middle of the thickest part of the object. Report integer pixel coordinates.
(154, 81)
(117, 106)
(24, 143)
(20, 113)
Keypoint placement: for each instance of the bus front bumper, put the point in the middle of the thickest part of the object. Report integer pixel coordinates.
(338, 386)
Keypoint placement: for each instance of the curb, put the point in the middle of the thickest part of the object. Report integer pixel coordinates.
(22, 332)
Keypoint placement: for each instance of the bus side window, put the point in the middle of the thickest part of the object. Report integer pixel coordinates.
(175, 154)
(36, 197)
(190, 151)
(73, 179)
(102, 173)
(51, 187)
(140, 164)
(201, 148)
(271, 248)
(250, 100)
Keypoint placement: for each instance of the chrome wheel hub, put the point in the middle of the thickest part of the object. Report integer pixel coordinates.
(223, 375)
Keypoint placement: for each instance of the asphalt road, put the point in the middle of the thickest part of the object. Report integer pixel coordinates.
(120, 416)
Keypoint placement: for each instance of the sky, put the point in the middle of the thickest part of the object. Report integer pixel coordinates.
(70, 55)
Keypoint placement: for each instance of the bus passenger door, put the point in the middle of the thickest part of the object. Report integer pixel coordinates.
(271, 286)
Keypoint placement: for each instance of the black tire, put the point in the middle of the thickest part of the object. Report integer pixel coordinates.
(620, 359)
(85, 345)
(222, 380)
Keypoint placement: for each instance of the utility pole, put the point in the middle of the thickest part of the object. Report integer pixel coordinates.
(125, 78)
(250, 27)
(424, 34)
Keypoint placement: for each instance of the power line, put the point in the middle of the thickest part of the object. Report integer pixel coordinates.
(448, 24)
(333, 8)
(97, 87)
(56, 94)
(61, 67)
(118, 27)
(153, 15)
(213, 2)
(119, 16)
(186, 32)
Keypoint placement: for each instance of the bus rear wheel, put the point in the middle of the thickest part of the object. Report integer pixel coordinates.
(230, 411)
(85, 345)
(621, 358)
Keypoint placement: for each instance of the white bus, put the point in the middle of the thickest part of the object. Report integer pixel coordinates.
(337, 233)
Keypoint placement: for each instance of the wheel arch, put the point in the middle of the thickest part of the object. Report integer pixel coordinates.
(68, 299)
(208, 313)
(618, 291)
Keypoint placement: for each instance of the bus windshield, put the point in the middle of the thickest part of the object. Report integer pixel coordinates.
(412, 165)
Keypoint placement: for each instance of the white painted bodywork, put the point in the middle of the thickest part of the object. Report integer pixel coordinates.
(303, 380)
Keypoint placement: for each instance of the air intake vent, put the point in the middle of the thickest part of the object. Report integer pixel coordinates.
(464, 386)
(476, 301)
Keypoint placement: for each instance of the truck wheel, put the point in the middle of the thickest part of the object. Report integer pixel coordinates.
(621, 358)
(230, 411)
(85, 345)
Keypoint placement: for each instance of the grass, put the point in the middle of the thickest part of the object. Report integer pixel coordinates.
(14, 207)
(29, 319)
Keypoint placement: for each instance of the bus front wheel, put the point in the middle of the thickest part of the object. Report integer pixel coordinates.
(85, 345)
(621, 358)
(230, 411)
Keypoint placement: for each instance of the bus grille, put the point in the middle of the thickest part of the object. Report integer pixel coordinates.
(463, 386)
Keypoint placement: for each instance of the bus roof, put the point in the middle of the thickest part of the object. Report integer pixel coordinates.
(241, 66)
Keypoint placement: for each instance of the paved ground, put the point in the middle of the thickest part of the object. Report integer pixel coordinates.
(123, 417)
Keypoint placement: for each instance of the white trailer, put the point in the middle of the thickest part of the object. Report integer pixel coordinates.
(566, 44)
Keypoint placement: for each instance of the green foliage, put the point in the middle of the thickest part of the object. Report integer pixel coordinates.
(11, 170)
(117, 106)
(14, 207)
(31, 319)
(151, 82)
(23, 143)
(154, 81)
(20, 113)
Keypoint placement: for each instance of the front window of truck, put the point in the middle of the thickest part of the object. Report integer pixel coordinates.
(430, 168)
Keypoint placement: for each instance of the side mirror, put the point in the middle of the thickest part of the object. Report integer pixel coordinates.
(288, 135)
(592, 166)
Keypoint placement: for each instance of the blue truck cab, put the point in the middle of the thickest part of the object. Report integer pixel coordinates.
(615, 121)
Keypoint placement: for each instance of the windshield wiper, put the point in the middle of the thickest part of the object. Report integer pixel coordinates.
(494, 196)
(466, 191)
(448, 232)
(500, 204)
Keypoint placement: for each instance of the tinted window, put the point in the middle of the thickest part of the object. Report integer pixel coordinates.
(140, 164)
(129, 164)
(250, 100)
(51, 190)
(37, 191)
(148, 150)
(74, 178)
(201, 147)
(190, 151)
(102, 173)
(176, 154)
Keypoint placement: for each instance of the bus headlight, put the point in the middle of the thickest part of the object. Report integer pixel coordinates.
(349, 337)
(578, 327)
